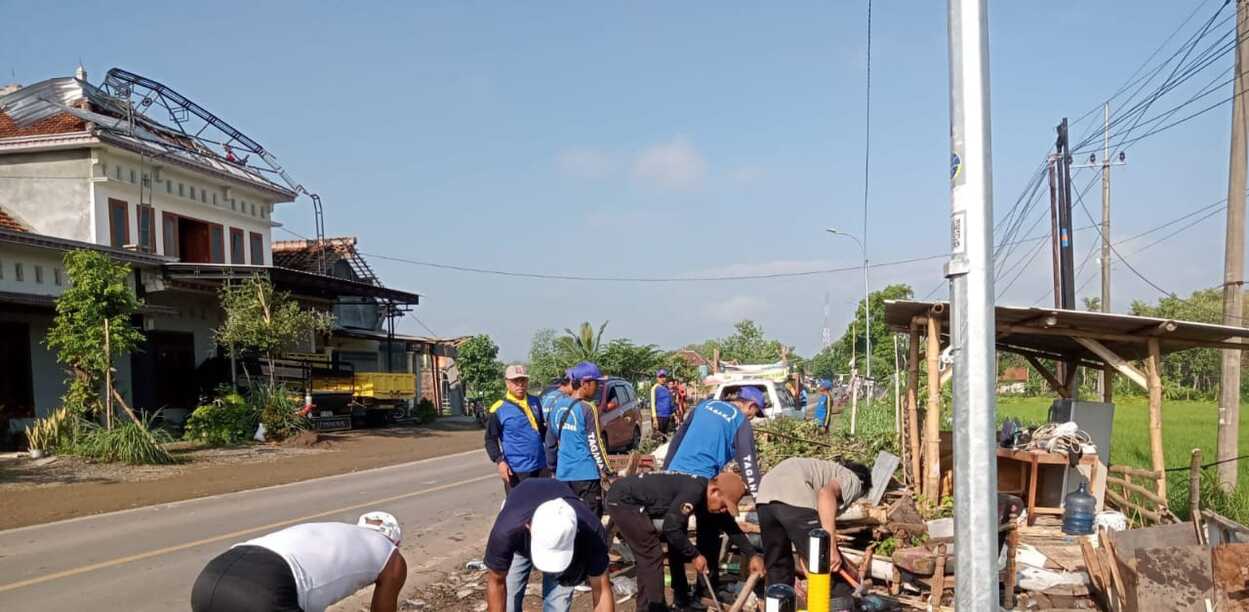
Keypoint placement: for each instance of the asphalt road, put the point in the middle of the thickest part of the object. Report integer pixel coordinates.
(147, 559)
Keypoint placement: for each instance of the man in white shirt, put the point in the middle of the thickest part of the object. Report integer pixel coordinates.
(306, 568)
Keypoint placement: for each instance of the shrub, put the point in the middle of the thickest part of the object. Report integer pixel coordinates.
(54, 431)
(425, 411)
(229, 419)
(278, 412)
(128, 442)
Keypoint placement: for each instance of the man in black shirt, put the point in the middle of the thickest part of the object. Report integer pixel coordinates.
(633, 502)
(544, 525)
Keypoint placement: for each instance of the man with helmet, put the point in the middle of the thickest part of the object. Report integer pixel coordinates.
(306, 567)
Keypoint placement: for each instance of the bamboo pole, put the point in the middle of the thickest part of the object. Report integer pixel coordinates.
(912, 401)
(932, 418)
(1131, 471)
(108, 379)
(1158, 458)
(1135, 488)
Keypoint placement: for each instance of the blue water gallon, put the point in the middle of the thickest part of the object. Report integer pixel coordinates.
(1079, 509)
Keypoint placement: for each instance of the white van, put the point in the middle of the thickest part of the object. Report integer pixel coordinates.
(781, 402)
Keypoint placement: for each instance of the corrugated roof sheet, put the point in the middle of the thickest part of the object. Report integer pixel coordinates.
(1051, 330)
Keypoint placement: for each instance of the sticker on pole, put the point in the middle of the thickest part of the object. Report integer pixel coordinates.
(958, 236)
(956, 166)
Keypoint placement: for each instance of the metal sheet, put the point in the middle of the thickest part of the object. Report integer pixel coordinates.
(29, 104)
(882, 472)
(1174, 578)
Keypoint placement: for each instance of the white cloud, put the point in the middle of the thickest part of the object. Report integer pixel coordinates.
(737, 308)
(675, 164)
(584, 163)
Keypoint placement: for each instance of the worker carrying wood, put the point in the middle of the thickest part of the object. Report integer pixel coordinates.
(662, 403)
(715, 433)
(515, 430)
(635, 501)
(798, 495)
(574, 441)
(544, 525)
(306, 567)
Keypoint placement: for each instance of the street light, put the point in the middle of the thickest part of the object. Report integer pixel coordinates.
(867, 304)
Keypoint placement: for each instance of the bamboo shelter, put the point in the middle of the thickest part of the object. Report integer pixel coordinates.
(1111, 343)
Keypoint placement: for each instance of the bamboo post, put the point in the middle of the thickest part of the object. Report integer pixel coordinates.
(1154, 367)
(1194, 494)
(912, 402)
(932, 419)
(108, 380)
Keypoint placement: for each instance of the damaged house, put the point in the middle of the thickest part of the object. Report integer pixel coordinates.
(133, 169)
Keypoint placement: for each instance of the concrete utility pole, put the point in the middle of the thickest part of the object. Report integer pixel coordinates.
(1234, 260)
(970, 271)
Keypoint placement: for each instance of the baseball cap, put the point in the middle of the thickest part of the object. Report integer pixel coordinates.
(751, 394)
(515, 371)
(826, 383)
(662, 373)
(552, 536)
(382, 522)
(586, 371)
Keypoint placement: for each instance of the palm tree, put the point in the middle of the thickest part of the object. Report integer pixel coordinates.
(584, 344)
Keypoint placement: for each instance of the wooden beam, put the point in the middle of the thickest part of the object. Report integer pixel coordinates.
(1049, 377)
(1157, 457)
(932, 417)
(912, 402)
(1135, 488)
(1073, 333)
(1070, 368)
(1120, 364)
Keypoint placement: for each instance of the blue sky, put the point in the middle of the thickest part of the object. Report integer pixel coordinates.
(649, 139)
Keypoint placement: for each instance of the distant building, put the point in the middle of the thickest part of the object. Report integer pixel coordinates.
(1013, 381)
(86, 166)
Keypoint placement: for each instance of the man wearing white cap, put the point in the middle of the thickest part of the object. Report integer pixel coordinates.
(306, 567)
(515, 431)
(544, 525)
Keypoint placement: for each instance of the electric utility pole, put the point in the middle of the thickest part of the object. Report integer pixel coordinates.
(970, 271)
(1234, 260)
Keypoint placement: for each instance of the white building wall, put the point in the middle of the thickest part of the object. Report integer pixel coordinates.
(31, 271)
(198, 314)
(182, 192)
(49, 192)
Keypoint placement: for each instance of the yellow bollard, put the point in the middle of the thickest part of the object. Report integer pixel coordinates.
(819, 582)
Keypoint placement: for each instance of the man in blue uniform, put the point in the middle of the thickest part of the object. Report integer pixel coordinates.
(515, 430)
(662, 404)
(823, 412)
(561, 387)
(574, 441)
(714, 433)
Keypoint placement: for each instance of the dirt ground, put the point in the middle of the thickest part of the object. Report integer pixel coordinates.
(51, 489)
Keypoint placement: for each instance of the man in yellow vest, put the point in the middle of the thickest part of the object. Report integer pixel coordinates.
(515, 431)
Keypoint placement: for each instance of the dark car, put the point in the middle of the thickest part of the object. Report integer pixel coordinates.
(620, 414)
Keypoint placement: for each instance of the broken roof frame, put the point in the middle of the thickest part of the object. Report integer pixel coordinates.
(1105, 341)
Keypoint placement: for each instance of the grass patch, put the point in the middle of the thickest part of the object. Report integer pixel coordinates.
(1186, 424)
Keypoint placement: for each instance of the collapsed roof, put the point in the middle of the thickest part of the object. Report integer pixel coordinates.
(123, 111)
(311, 255)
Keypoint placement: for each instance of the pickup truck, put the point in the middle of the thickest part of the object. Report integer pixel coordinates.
(780, 401)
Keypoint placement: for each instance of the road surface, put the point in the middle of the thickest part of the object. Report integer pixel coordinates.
(147, 559)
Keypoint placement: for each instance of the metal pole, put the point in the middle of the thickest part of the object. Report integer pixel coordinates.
(970, 271)
(1103, 377)
(1234, 261)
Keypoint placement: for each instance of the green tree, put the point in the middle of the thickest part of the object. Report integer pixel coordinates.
(98, 298)
(268, 322)
(1195, 370)
(546, 360)
(630, 361)
(583, 344)
(479, 365)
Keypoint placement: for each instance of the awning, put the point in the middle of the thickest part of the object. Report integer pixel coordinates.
(296, 281)
(43, 303)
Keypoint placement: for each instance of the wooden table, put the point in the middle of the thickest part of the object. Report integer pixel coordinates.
(1029, 463)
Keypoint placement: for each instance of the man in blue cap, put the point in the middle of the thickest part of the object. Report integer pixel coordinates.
(561, 387)
(713, 434)
(823, 413)
(662, 405)
(574, 441)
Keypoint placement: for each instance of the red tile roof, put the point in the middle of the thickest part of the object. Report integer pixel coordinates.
(9, 223)
(60, 123)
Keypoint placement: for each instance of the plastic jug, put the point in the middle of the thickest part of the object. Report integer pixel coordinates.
(1079, 510)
